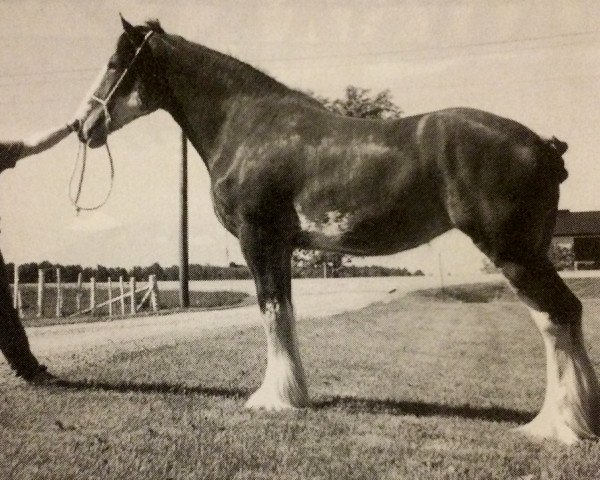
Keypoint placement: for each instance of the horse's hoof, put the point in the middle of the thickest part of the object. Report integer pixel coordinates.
(540, 429)
(265, 400)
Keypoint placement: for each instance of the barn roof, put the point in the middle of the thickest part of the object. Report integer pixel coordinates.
(577, 223)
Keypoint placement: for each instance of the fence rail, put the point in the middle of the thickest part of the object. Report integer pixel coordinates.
(135, 297)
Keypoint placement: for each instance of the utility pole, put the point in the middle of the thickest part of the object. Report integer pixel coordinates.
(441, 267)
(184, 259)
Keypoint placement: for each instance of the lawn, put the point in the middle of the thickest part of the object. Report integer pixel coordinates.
(411, 389)
(584, 287)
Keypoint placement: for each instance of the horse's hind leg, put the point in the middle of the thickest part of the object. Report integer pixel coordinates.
(571, 408)
(269, 258)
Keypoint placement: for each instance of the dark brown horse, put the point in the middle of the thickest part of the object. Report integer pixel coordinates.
(286, 174)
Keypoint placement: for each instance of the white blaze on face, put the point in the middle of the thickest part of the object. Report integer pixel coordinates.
(87, 104)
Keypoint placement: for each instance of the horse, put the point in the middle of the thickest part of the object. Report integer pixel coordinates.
(286, 173)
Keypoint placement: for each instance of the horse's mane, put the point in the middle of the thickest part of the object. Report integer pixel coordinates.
(250, 76)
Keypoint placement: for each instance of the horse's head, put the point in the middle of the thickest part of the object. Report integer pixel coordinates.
(129, 86)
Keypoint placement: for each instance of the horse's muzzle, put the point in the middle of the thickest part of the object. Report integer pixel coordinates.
(94, 130)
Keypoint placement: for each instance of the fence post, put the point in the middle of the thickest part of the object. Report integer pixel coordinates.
(17, 300)
(20, 304)
(58, 294)
(40, 293)
(122, 288)
(153, 293)
(79, 292)
(92, 296)
(110, 305)
(132, 294)
(16, 288)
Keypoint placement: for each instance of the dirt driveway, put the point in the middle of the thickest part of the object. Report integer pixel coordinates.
(313, 298)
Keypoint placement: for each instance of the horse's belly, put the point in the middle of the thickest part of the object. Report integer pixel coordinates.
(369, 233)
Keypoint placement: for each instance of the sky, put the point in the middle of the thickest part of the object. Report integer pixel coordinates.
(537, 62)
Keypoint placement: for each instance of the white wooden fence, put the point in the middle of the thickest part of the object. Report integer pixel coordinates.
(130, 300)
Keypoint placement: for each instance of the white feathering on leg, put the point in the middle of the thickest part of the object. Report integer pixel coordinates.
(571, 409)
(284, 385)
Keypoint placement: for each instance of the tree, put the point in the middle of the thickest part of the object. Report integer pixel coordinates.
(489, 267)
(358, 103)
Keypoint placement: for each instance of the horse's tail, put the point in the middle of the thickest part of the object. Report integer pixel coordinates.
(554, 149)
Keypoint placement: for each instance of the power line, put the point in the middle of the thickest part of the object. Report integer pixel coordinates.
(359, 54)
(434, 48)
(56, 100)
(49, 72)
(526, 81)
(374, 61)
(316, 57)
(86, 78)
(46, 82)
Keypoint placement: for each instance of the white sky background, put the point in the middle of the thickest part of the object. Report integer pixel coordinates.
(537, 62)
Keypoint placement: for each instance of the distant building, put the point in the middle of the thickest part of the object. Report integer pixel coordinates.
(576, 240)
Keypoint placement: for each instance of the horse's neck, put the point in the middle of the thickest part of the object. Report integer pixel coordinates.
(203, 84)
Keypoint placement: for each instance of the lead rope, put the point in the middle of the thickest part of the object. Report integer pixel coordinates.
(75, 198)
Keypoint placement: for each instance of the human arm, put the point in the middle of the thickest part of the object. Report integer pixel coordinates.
(40, 142)
(11, 152)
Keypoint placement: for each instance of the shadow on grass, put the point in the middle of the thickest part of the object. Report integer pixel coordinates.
(347, 404)
(143, 387)
(425, 409)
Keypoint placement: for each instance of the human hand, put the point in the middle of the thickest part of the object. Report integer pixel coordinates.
(80, 115)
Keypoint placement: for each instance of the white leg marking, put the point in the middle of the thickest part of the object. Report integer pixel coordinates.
(284, 385)
(571, 409)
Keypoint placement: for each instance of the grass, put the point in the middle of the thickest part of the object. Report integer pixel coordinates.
(168, 301)
(585, 288)
(408, 390)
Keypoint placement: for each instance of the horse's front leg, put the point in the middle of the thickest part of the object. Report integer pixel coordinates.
(269, 258)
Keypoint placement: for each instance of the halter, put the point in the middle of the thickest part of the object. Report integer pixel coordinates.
(83, 147)
(104, 102)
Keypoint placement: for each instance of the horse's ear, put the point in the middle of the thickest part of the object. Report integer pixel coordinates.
(130, 30)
